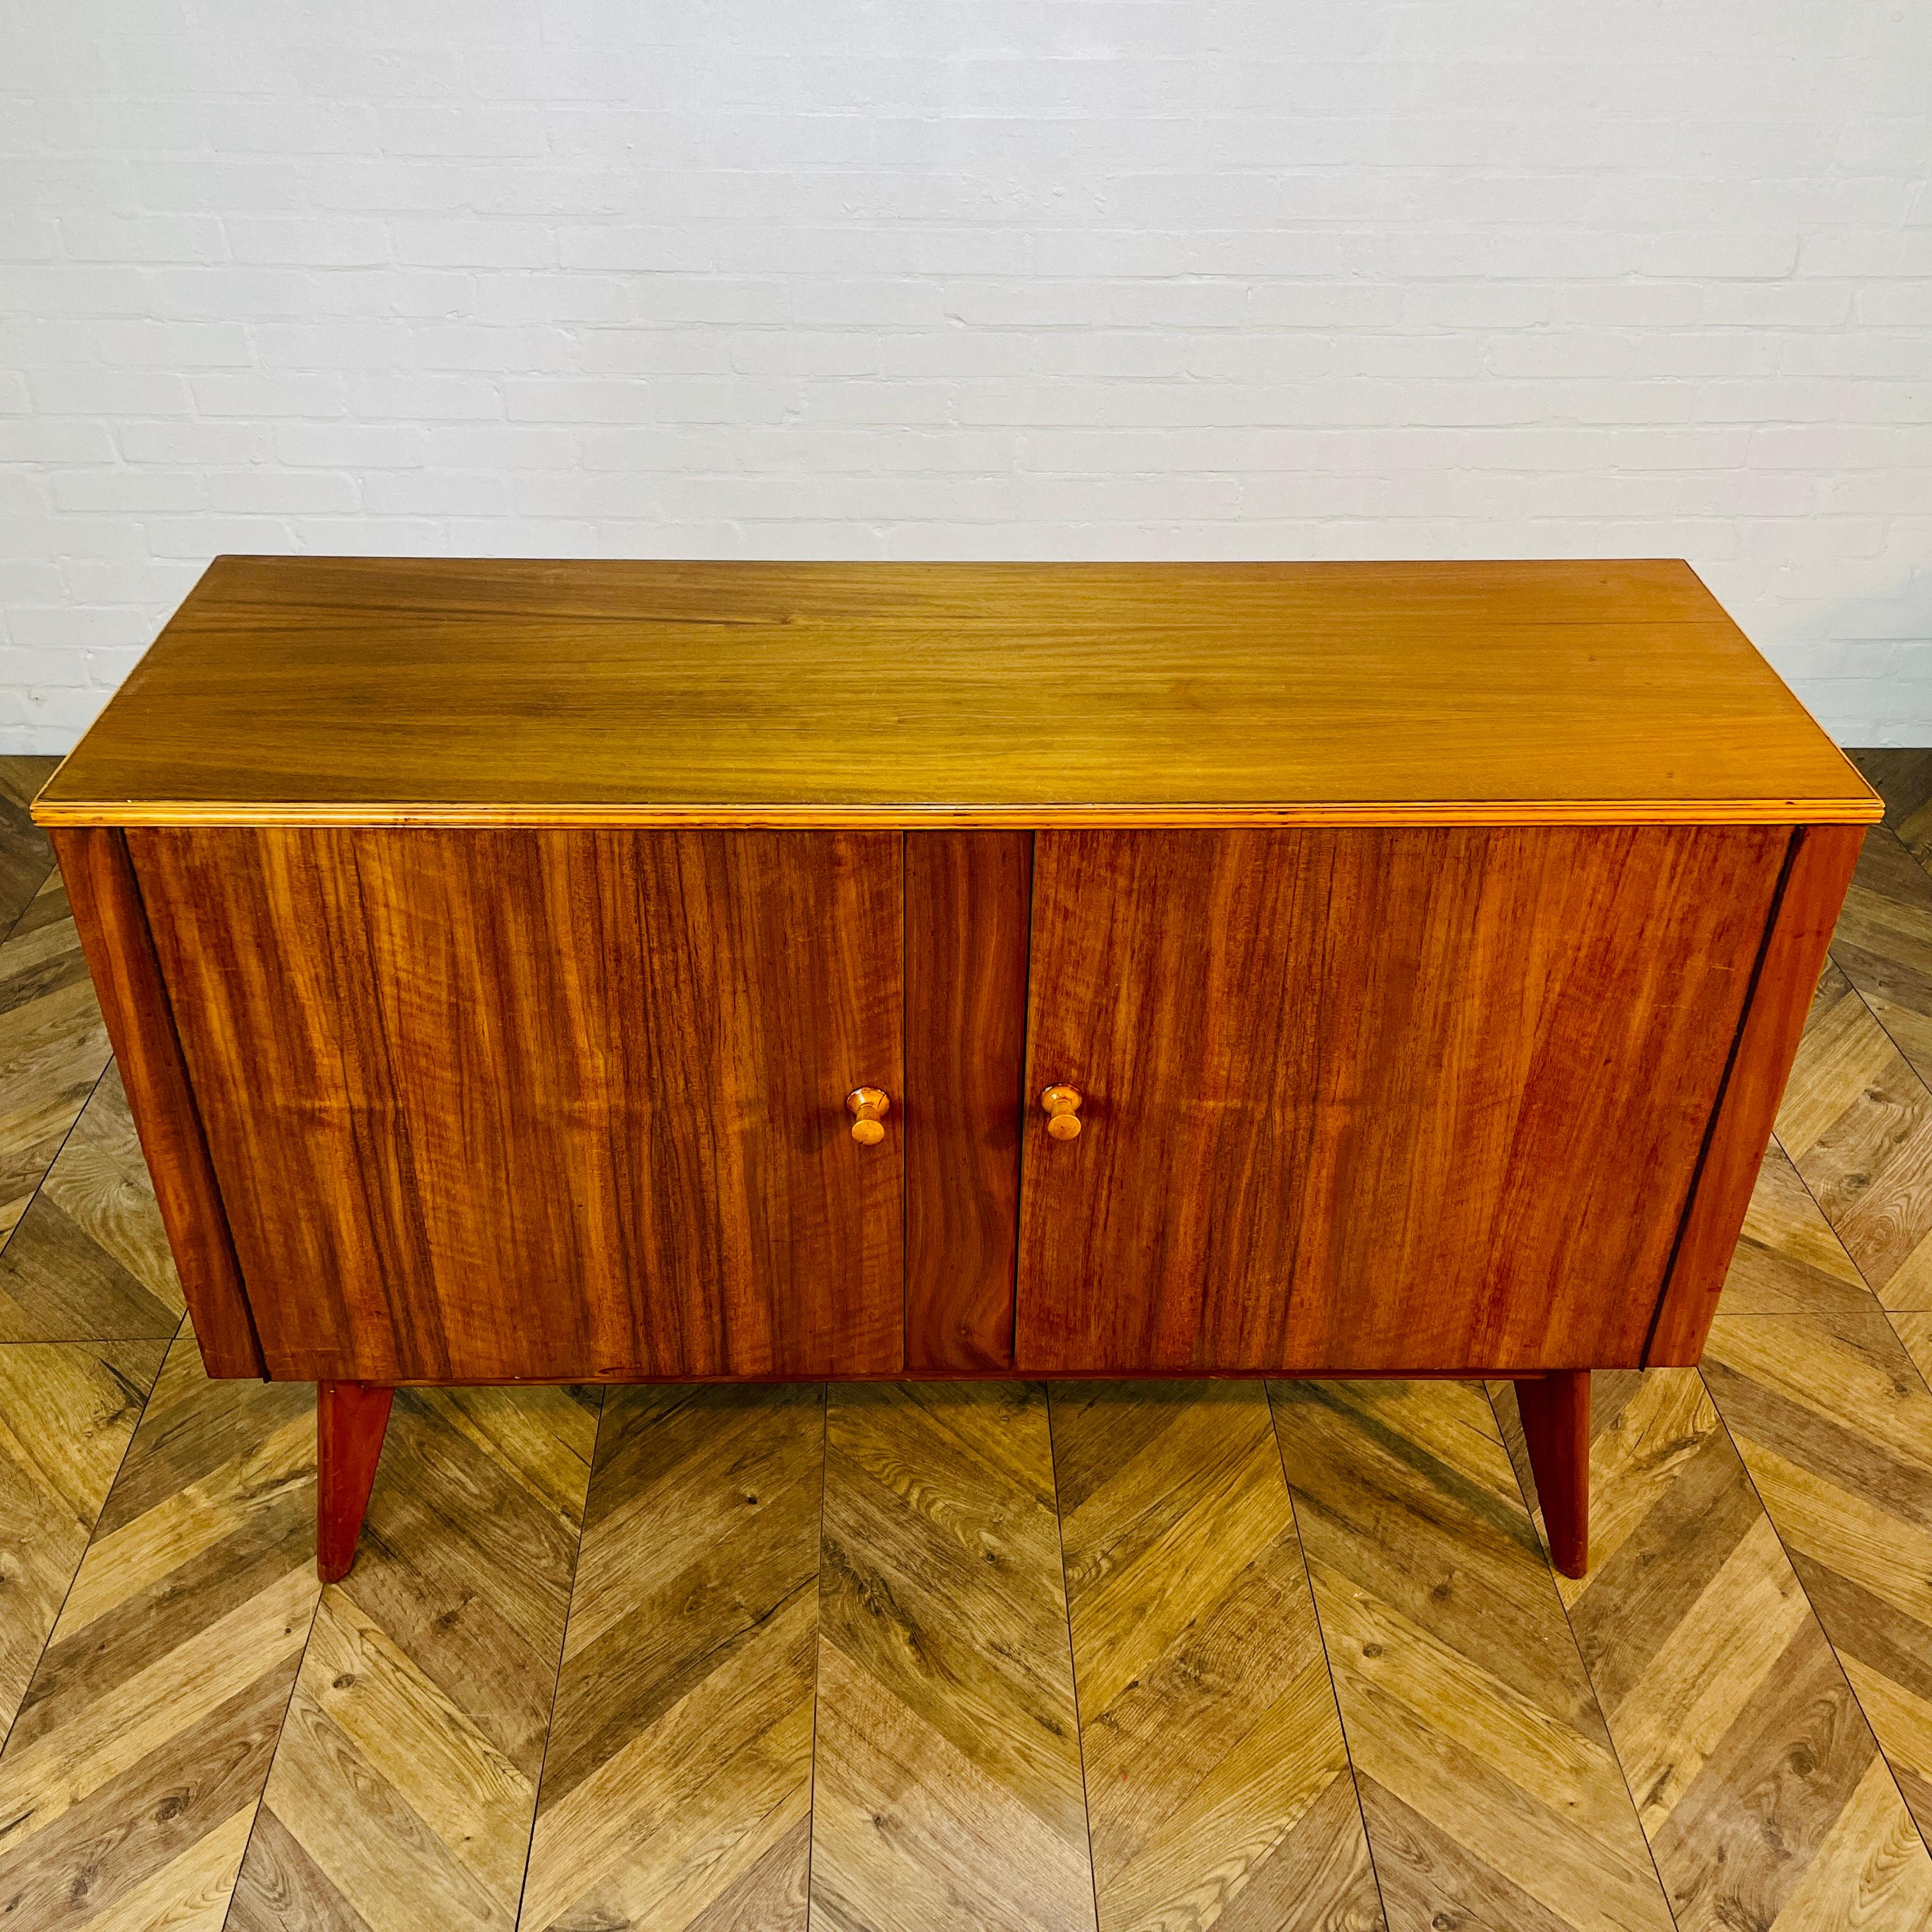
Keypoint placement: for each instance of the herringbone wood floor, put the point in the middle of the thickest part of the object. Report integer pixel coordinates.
(1131, 1658)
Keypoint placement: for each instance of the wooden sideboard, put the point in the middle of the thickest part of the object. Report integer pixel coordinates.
(607, 971)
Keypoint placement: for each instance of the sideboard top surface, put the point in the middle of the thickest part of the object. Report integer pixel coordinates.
(369, 691)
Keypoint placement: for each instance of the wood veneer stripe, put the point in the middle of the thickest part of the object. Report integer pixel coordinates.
(1670, 1269)
(967, 925)
(1810, 890)
(111, 919)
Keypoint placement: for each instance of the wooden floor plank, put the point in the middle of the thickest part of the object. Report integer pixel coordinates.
(1834, 1424)
(142, 1744)
(90, 1260)
(1492, 1795)
(948, 1791)
(676, 1792)
(1788, 1261)
(1760, 1784)
(1883, 943)
(1903, 779)
(67, 1412)
(1915, 1330)
(405, 1781)
(25, 858)
(1213, 1748)
(53, 1046)
(1856, 1120)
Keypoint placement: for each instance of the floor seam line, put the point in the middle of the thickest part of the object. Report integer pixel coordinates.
(817, 1646)
(1811, 1195)
(1073, 1668)
(1851, 1689)
(562, 1642)
(1327, 1663)
(281, 1729)
(93, 1529)
(28, 1208)
(1589, 1676)
(39, 887)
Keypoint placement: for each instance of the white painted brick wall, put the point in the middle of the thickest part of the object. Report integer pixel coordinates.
(1294, 278)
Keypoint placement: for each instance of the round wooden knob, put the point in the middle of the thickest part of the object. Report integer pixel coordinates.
(867, 1104)
(1062, 1112)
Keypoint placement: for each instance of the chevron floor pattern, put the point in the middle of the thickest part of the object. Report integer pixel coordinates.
(88, 1258)
(23, 851)
(53, 1045)
(948, 1792)
(1116, 1657)
(67, 1410)
(130, 1777)
(405, 1781)
(1492, 1795)
(677, 1790)
(1218, 1790)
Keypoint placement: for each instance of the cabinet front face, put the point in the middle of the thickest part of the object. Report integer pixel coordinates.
(1400, 1100)
(489, 1104)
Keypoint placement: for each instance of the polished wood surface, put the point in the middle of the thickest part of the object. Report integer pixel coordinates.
(351, 1419)
(1764, 1717)
(968, 906)
(1556, 1414)
(1817, 870)
(664, 1026)
(113, 928)
(868, 1106)
(1349, 1097)
(381, 691)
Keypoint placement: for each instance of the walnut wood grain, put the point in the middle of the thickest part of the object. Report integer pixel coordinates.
(366, 690)
(1374, 1099)
(491, 1105)
(967, 906)
(1818, 869)
(113, 927)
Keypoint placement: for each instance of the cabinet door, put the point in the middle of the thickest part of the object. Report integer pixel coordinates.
(486, 1104)
(1372, 1099)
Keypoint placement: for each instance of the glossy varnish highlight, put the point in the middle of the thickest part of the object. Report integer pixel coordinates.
(379, 690)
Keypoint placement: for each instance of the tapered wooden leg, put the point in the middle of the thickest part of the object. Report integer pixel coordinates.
(350, 1418)
(1555, 1411)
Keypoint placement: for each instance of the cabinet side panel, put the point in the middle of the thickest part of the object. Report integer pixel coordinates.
(1426, 1098)
(113, 927)
(488, 1105)
(967, 902)
(1817, 877)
